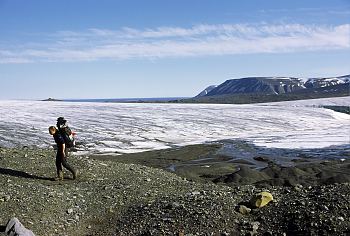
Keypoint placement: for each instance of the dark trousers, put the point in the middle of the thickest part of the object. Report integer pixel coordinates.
(62, 161)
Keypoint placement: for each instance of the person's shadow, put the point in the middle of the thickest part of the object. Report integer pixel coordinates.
(17, 173)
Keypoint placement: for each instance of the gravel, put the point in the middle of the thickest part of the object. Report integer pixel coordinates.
(111, 198)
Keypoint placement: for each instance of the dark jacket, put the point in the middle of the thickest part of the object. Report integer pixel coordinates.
(61, 147)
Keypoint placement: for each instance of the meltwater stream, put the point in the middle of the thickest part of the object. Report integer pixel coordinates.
(130, 127)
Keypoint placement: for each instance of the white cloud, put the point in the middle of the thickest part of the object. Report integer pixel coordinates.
(162, 42)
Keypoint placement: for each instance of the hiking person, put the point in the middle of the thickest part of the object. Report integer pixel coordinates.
(62, 153)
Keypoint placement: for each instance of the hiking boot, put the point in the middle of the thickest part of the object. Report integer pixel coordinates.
(75, 174)
(59, 176)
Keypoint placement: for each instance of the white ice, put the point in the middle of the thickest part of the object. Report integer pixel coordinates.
(127, 128)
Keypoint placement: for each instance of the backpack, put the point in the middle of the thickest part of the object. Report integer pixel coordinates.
(68, 136)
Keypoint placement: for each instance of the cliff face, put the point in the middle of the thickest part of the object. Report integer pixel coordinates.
(258, 85)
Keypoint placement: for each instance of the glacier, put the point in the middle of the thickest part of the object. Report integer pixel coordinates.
(135, 127)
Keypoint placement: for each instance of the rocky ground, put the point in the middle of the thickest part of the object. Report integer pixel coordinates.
(111, 198)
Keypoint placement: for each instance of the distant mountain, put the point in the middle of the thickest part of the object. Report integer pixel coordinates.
(326, 82)
(272, 89)
(272, 85)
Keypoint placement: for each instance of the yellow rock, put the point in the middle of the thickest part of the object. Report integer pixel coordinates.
(261, 199)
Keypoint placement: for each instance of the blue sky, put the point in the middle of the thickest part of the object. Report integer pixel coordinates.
(163, 48)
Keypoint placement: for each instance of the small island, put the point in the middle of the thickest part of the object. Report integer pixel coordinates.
(51, 100)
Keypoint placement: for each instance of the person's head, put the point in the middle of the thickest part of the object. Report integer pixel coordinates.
(52, 130)
(61, 121)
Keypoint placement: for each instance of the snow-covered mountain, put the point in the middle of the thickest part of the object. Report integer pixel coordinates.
(272, 85)
(325, 82)
(345, 78)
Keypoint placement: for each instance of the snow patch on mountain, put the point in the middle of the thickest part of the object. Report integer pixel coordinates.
(206, 90)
